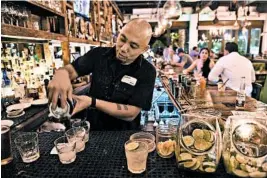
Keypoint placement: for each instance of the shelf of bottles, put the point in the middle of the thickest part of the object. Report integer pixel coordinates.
(24, 75)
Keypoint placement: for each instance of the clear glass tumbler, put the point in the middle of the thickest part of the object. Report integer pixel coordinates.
(136, 154)
(77, 135)
(27, 144)
(66, 150)
(85, 125)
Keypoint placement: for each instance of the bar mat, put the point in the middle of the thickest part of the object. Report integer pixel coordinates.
(103, 157)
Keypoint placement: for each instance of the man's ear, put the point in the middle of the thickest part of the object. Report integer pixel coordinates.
(146, 48)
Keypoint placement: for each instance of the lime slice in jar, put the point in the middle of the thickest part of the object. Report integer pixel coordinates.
(240, 173)
(188, 140)
(198, 134)
(202, 145)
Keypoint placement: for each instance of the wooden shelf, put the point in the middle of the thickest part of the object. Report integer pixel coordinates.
(78, 40)
(35, 3)
(15, 31)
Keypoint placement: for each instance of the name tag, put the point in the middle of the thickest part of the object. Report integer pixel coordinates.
(129, 80)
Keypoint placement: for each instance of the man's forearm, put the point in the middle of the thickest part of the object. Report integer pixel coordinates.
(120, 111)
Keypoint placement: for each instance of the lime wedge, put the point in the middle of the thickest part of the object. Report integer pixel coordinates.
(132, 146)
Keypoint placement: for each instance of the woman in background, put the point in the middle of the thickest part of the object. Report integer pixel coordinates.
(203, 65)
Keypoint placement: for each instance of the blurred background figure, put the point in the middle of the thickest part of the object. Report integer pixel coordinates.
(213, 56)
(201, 66)
(194, 53)
(232, 66)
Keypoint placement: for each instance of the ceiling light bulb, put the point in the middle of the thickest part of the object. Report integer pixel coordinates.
(172, 9)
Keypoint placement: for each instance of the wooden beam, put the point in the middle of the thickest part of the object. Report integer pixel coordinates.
(65, 52)
(116, 8)
(16, 31)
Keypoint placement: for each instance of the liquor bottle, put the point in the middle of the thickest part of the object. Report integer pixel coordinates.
(241, 95)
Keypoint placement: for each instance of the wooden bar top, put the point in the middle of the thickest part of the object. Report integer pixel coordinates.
(225, 102)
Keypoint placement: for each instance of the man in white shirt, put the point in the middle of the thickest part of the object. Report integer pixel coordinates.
(233, 66)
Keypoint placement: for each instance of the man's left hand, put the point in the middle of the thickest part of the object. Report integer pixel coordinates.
(82, 102)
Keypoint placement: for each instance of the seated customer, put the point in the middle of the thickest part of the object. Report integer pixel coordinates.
(183, 62)
(194, 53)
(233, 66)
(203, 65)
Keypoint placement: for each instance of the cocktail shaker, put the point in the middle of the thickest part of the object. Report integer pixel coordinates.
(62, 115)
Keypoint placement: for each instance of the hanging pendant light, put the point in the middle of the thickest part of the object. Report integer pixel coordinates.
(165, 23)
(158, 31)
(172, 9)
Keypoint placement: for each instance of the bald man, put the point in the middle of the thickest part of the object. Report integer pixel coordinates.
(122, 81)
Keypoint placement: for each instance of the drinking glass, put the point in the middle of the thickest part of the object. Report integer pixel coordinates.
(85, 125)
(27, 144)
(136, 154)
(221, 87)
(66, 150)
(77, 135)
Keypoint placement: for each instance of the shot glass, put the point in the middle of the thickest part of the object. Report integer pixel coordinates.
(85, 125)
(77, 135)
(27, 144)
(65, 149)
(136, 154)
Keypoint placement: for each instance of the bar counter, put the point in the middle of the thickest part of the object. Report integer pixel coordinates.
(35, 116)
(103, 156)
(221, 101)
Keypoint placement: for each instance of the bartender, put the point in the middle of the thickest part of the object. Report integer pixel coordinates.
(122, 81)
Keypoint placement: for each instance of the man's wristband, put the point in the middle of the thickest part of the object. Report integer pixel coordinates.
(93, 104)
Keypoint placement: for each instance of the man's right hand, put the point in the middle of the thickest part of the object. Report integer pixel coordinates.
(60, 86)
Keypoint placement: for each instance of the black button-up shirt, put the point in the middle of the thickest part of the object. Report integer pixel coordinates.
(107, 84)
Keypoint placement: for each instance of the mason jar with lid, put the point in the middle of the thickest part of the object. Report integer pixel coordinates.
(165, 141)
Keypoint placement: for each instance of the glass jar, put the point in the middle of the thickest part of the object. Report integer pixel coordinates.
(198, 143)
(165, 141)
(245, 146)
(173, 124)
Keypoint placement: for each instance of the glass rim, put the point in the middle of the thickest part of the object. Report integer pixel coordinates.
(74, 129)
(142, 134)
(130, 141)
(80, 122)
(34, 134)
(61, 137)
(165, 127)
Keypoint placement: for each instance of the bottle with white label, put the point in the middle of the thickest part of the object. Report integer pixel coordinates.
(241, 95)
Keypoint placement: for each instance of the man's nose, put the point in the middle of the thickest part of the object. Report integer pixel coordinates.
(125, 48)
